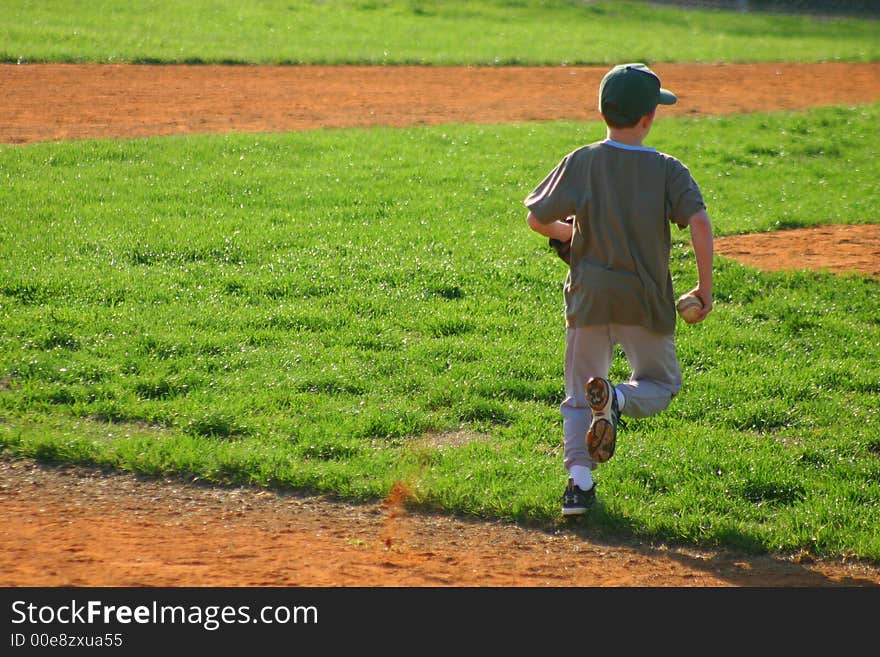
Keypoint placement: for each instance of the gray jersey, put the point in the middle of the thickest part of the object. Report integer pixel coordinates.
(623, 199)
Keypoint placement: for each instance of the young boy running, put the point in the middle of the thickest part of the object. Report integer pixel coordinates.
(607, 209)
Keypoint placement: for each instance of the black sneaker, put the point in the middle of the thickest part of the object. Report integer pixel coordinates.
(602, 435)
(576, 502)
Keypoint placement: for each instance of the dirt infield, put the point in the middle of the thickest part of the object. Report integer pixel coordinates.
(80, 527)
(69, 101)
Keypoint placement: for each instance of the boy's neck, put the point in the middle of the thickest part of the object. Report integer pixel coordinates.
(629, 136)
(634, 135)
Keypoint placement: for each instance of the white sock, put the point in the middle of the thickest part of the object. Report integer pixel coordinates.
(582, 476)
(621, 400)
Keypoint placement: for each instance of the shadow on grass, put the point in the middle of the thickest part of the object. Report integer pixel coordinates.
(749, 566)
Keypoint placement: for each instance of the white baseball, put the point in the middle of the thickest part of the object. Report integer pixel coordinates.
(688, 307)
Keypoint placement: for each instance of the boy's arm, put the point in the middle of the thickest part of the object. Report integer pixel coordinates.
(557, 230)
(703, 243)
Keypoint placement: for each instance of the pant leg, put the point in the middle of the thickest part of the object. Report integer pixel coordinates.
(588, 352)
(656, 373)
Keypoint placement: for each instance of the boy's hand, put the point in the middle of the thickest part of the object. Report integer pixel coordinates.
(706, 298)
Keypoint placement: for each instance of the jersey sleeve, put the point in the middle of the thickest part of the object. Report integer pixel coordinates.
(556, 197)
(683, 196)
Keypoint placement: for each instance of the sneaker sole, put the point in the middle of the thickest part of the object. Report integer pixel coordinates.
(597, 395)
(574, 512)
(601, 440)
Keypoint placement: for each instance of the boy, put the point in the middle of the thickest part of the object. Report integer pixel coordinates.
(607, 209)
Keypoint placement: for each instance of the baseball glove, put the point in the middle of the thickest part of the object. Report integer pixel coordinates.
(563, 249)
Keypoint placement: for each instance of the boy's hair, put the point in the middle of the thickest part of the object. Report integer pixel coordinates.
(617, 125)
(630, 91)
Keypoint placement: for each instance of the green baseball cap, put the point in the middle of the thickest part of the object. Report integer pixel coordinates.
(629, 91)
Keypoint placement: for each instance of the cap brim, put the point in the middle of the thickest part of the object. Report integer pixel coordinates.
(666, 97)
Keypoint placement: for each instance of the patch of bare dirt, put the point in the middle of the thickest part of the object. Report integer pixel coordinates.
(841, 249)
(81, 527)
(71, 101)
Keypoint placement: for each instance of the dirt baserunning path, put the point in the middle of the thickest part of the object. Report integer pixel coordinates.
(72, 101)
(81, 527)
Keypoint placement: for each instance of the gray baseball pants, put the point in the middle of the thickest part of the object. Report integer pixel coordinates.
(589, 350)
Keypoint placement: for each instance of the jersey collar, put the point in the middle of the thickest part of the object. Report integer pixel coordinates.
(627, 147)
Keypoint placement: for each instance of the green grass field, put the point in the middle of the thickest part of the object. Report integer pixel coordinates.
(335, 311)
(303, 310)
(418, 32)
